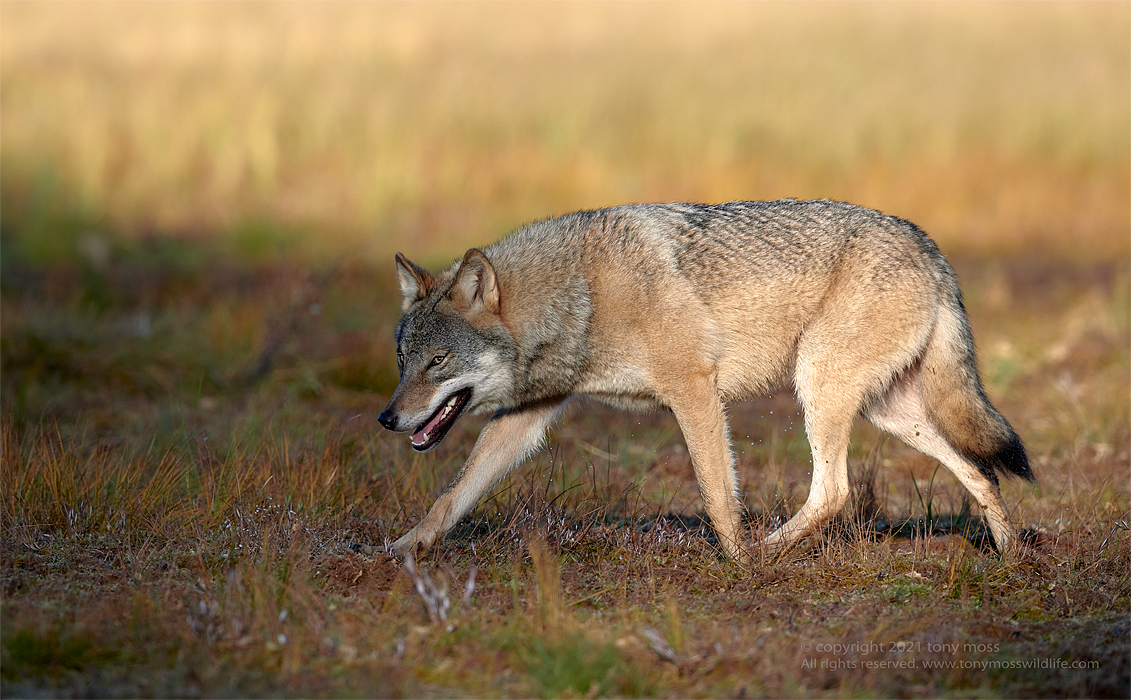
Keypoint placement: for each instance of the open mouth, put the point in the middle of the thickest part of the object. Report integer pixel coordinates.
(435, 428)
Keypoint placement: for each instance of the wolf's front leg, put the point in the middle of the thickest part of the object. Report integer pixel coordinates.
(507, 439)
(702, 419)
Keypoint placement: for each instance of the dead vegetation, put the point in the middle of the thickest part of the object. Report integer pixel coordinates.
(200, 535)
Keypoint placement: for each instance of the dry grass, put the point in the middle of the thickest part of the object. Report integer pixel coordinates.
(195, 495)
(176, 524)
(997, 127)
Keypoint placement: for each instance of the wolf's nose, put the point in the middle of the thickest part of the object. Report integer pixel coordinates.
(388, 419)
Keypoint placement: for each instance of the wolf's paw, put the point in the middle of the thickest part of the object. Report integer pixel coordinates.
(774, 548)
(404, 547)
(413, 542)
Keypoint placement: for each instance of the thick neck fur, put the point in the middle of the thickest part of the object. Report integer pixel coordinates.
(543, 316)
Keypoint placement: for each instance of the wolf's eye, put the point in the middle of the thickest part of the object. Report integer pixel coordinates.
(438, 359)
(400, 362)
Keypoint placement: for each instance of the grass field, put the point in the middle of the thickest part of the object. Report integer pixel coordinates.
(199, 208)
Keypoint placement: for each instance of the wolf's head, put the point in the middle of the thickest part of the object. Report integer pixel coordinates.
(453, 351)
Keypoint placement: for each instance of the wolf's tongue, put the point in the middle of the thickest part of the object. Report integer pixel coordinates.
(421, 436)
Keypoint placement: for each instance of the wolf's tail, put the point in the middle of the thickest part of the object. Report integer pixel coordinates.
(957, 403)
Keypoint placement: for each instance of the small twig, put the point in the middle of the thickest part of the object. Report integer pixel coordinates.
(659, 645)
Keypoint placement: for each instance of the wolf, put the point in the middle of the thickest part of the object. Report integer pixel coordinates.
(685, 307)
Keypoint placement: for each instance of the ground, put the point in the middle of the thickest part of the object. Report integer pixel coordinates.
(198, 501)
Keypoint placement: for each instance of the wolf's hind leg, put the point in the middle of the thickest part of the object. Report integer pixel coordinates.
(828, 426)
(701, 418)
(842, 358)
(902, 412)
(505, 441)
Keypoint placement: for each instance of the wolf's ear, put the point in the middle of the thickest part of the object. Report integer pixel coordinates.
(475, 289)
(415, 282)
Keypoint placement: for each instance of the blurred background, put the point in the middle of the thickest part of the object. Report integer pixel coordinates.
(318, 128)
(196, 195)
